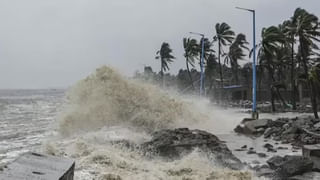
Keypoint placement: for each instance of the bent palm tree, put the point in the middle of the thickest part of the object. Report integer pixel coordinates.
(164, 54)
(224, 35)
(272, 38)
(190, 47)
(307, 31)
(236, 52)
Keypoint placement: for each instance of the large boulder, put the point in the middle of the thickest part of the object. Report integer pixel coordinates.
(288, 166)
(173, 144)
(252, 126)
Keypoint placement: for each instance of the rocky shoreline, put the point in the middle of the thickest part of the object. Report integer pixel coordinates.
(295, 132)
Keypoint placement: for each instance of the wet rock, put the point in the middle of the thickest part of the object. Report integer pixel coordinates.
(267, 145)
(174, 144)
(317, 125)
(275, 162)
(251, 152)
(265, 172)
(244, 147)
(240, 149)
(306, 176)
(282, 148)
(252, 126)
(268, 132)
(262, 155)
(288, 166)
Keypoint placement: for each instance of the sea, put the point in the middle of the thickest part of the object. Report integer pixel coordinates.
(83, 121)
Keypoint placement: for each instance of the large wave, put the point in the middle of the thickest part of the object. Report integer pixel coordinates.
(106, 98)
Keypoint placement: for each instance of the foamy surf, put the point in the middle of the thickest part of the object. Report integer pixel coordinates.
(106, 107)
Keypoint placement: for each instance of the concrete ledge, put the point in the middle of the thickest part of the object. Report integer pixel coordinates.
(34, 166)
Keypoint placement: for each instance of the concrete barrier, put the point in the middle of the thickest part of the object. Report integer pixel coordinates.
(34, 166)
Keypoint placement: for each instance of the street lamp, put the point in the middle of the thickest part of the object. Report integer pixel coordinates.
(254, 73)
(201, 62)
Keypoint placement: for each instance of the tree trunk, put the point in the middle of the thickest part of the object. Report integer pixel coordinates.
(187, 64)
(271, 80)
(162, 77)
(293, 85)
(236, 73)
(310, 83)
(220, 67)
(314, 99)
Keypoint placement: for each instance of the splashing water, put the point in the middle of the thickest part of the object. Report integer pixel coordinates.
(107, 107)
(106, 98)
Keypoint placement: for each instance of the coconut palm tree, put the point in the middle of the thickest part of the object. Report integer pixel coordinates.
(224, 35)
(271, 40)
(190, 47)
(288, 29)
(236, 52)
(307, 30)
(166, 57)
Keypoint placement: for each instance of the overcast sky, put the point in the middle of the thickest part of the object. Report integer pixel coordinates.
(54, 43)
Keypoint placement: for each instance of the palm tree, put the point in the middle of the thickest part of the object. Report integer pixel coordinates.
(164, 54)
(224, 35)
(190, 47)
(307, 31)
(288, 29)
(236, 52)
(272, 38)
(211, 66)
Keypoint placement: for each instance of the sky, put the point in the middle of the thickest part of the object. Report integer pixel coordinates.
(55, 43)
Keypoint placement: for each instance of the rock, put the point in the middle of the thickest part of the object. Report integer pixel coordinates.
(266, 172)
(267, 145)
(286, 126)
(260, 130)
(269, 148)
(275, 162)
(244, 147)
(317, 125)
(282, 148)
(291, 130)
(268, 132)
(174, 144)
(239, 129)
(251, 152)
(251, 127)
(262, 155)
(288, 166)
(306, 176)
(240, 150)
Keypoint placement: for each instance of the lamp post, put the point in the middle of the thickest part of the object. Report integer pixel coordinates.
(201, 62)
(255, 114)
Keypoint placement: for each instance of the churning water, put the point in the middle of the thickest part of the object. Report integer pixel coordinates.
(106, 107)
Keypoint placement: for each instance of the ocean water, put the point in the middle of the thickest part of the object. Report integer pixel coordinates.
(83, 123)
(26, 117)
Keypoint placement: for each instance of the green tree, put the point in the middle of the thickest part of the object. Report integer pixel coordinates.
(271, 40)
(236, 52)
(307, 31)
(166, 57)
(190, 47)
(224, 35)
(288, 29)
